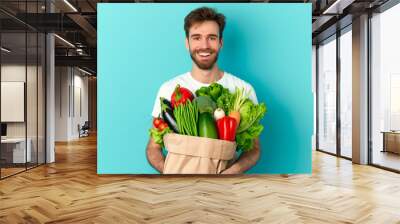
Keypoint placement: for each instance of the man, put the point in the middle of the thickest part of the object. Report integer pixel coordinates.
(204, 28)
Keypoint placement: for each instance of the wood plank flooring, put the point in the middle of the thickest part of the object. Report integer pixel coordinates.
(70, 191)
(388, 159)
(10, 171)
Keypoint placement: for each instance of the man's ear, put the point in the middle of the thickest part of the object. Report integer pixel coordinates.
(186, 43)
(221, 43)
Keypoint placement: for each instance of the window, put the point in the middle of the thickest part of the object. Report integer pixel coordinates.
(346, 93)
(327, 95)
(385, 88)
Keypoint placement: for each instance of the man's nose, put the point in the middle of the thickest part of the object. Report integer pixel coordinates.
(205, 43)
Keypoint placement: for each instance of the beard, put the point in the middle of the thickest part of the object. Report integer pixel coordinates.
(204, 65)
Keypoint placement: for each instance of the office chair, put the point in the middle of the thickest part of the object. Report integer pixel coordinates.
(84, 130)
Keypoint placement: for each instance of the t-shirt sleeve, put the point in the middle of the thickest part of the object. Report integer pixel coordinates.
(252, 94)
(157, 107)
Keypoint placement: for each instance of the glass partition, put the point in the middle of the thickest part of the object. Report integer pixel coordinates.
(22, 63)
(14, 153)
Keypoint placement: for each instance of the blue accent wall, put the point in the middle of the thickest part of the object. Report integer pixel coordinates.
(141, 45)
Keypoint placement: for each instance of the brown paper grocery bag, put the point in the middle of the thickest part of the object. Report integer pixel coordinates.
(196, 155)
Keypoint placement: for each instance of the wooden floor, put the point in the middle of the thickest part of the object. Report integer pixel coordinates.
(5, 172)
(70, 191)
(387, 159)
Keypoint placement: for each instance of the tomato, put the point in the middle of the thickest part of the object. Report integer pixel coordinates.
(157, 121)
(162, 126)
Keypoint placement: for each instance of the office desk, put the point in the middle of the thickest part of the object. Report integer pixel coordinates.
(15, 148)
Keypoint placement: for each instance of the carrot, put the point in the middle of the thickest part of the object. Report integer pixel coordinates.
(239, 98)
(236, 115)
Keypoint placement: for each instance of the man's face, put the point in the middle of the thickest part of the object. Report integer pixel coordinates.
(204, 44)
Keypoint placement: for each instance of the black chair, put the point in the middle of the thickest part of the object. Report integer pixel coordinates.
(84, 130)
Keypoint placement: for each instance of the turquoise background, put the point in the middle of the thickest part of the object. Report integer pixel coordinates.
(141, 45)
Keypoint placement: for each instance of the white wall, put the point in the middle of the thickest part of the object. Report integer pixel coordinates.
(71, 93)
(9, 73)
(61, 103)
(15, 72)
(79, 112)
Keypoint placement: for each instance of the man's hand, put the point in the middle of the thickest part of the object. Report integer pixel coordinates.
(231, 170)
(246, 160)
(154, 155)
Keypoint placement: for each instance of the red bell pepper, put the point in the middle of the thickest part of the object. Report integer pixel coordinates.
(180, 96)
(227, 128)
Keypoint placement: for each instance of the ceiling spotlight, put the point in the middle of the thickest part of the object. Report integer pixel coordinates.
(84, 71)
(64, 40)
(337, 7)
(5, 50)
(70, 5)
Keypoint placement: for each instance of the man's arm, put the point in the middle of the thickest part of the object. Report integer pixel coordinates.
(154, 155)
(246, 160)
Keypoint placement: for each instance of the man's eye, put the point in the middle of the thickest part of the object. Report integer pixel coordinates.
(196, 38)
(213, 38)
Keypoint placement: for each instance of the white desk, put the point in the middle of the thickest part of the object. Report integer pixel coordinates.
(19, 149)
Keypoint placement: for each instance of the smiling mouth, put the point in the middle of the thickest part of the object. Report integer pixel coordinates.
(204, 54)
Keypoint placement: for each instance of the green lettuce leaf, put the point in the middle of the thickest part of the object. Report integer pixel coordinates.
(250, 127)
(250, 114)
(245, 139)
(159, 135)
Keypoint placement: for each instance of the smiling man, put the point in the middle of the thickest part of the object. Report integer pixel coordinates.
(204, 29)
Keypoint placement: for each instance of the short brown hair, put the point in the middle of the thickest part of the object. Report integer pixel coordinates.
(204, 14)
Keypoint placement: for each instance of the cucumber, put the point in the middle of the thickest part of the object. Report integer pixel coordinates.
(207, 127)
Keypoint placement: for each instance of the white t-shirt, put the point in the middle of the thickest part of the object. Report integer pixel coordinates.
(186, 80)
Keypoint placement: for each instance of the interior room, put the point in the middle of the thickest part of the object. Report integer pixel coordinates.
(50, 131)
